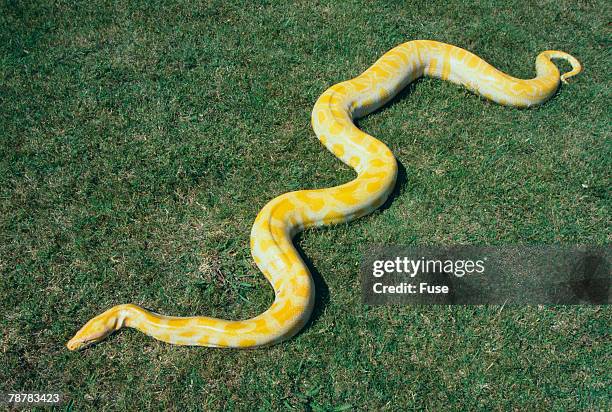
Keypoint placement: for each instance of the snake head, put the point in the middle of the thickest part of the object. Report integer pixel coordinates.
(96, 329)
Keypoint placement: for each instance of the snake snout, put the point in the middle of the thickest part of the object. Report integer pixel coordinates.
(76, 344)
(95, 330)
(85, 338)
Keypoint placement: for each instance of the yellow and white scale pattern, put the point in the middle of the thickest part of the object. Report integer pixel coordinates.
(376, 167)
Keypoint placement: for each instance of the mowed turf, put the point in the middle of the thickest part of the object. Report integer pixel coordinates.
(138, 143)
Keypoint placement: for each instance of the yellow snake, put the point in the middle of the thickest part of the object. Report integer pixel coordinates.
(287, 214)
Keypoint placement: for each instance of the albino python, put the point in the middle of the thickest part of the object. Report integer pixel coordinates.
(287, 214)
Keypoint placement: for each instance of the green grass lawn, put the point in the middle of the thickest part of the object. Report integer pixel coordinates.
(139, 142)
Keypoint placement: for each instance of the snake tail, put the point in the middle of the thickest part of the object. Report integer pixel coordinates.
(376, 168)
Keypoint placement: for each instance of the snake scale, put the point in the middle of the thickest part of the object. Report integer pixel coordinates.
(376, 167)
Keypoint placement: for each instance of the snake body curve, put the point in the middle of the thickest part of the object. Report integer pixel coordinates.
(376, 167)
